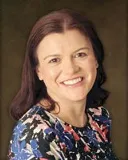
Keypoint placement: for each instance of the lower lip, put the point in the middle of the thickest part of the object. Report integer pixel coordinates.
(74, 85)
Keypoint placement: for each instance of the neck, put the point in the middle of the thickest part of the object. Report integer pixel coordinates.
(72, 113)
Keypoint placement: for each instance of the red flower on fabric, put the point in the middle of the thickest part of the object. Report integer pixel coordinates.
(86, 149)
(94, 156)
(63, 146)
(102, 130)
(71, 131)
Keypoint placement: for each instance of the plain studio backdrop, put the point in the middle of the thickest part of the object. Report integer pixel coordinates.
(110, 19)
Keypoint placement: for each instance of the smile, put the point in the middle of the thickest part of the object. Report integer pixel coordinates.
(73, 81)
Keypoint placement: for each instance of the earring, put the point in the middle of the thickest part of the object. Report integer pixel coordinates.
(97, 65)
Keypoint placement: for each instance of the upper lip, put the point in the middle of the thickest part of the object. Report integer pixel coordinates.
(71, 79)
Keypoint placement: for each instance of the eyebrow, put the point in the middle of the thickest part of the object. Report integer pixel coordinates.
(56, 55)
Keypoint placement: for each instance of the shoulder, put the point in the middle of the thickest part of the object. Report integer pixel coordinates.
(32, 128)
(29, 134)
(100, 115)
(100, 122)
(33, 121)
(99, 111)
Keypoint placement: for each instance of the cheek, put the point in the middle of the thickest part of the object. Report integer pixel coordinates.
(91, 70)
(49, 74)
(90, 65)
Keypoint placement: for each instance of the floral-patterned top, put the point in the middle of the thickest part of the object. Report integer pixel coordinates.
(39, 135)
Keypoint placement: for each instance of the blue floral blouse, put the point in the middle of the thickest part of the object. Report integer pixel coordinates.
(39, 135)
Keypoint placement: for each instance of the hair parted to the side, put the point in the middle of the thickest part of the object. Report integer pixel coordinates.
(32, 89)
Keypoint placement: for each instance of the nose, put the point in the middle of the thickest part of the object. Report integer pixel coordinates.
(70, 67)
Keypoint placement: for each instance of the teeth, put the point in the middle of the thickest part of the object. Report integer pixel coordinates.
(74, 81)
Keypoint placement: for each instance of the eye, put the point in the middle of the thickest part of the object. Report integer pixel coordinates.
(54, 60)
(80, 54)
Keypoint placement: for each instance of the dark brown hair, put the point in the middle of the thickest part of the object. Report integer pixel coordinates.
(32, 89)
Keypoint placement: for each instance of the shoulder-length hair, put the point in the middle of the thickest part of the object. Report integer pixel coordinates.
(32, 89)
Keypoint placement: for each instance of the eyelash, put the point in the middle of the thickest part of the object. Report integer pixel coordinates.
(81, 55)
(54, 60)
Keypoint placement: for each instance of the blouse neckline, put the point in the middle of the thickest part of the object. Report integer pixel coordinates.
(56, 119)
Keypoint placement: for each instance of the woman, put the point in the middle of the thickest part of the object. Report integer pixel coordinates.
(59, 106)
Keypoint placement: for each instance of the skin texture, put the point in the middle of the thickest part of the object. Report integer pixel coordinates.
(62, 57)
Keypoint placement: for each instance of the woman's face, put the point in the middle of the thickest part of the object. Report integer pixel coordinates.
(67, 65)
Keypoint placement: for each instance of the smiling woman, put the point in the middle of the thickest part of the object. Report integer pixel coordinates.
(59, 107)
(70, 73)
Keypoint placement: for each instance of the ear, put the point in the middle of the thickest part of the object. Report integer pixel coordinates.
(39, 73)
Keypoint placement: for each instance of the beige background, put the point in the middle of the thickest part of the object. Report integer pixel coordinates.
(110, 18)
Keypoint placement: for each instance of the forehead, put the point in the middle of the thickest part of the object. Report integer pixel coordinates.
(63, 42)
